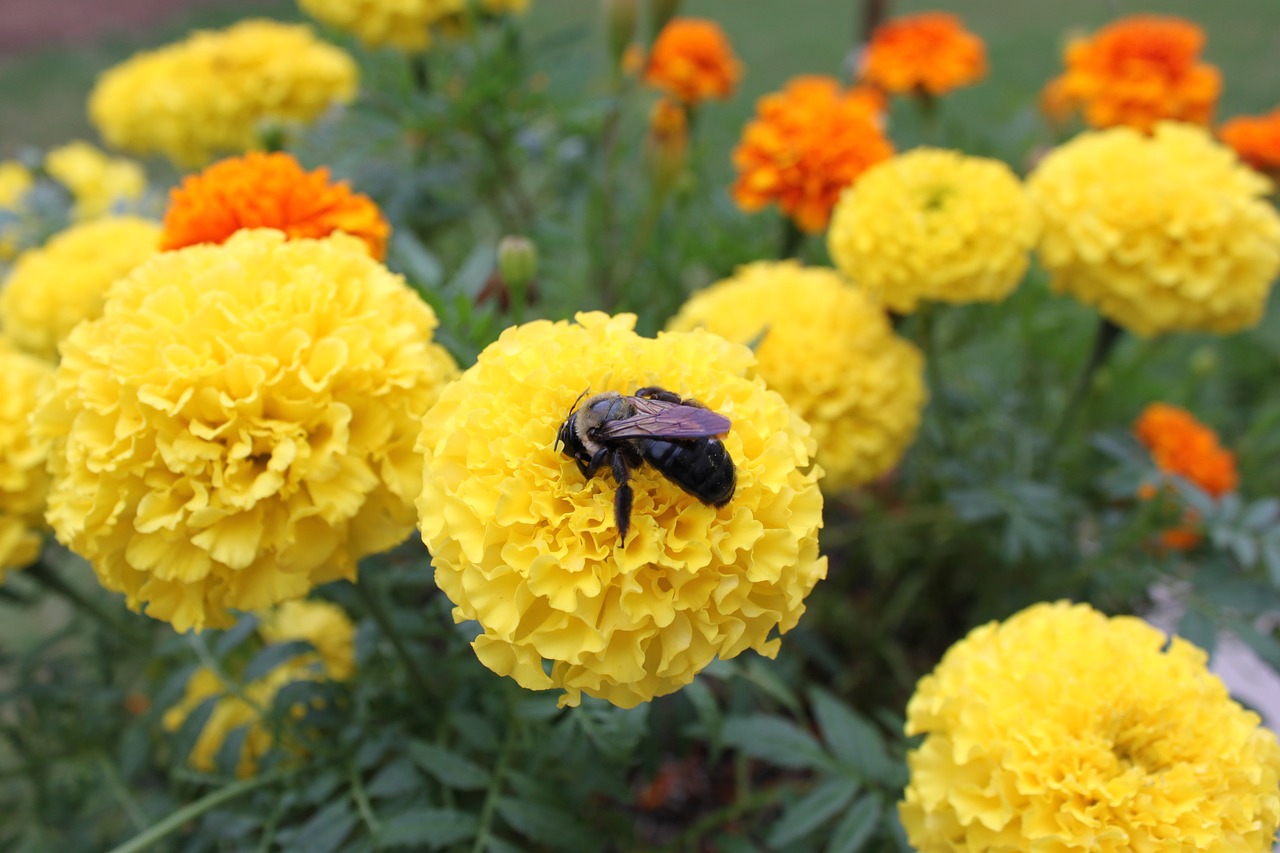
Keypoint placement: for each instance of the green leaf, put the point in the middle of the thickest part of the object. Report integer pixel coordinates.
(451, 769)
(855, 742)
(273, 656)
(1261, 515)
(326, 831)
(761, 675)
(494, 844)
(546, 824)
(852, 833)
(406, 254)
(397, 778)
(776, 741)
(1264, 645)
(235, 635)
(710, 719)
(433, 828)
(1198, 629)
(812, 810)
(616, 732)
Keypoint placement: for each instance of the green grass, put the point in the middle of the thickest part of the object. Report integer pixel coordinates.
(42, 93)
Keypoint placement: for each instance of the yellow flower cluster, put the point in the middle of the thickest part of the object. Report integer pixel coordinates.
(323, 625)
(934, 225)
(96, 182)
(239, 424)
(215, 91)
(832, 355)
(23, 481)
(54, 288)
(1064, 730)
(402, 24)
(1162, 233)
(529, 548)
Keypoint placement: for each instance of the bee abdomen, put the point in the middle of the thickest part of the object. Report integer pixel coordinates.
(702, 467)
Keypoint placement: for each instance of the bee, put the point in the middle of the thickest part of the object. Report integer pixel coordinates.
(675, 435)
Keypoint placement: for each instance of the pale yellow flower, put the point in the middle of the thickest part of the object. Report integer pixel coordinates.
(97, 182)
(403, 24)
(1062, 730)
(831, 353)
(529, 548)
(217, 91)
(934, 225)
(1161, 233)
(239, 424)
(322, 624)
(23, 481)
(65, 282)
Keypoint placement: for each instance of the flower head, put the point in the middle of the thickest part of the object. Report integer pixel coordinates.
(402, 24)
(806, 144)
(96, 182)
(214, 92)
(934, 225)
(527, 546)
(269, 191)
(56, 287)
(832, 355)
(1161, 233)
(929, 52)
(1256, 140)
(692, 61)
(1061, 729)
(239, 424)
(1136, 72)
(23, 481)
(323, 625)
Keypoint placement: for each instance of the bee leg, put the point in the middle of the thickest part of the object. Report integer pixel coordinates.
(590, 468)
(653, 392)
(622, 500)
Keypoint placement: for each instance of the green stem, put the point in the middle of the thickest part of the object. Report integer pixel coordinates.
(792, 239)
(121, 792)
(927, 327)
(44, 574)
(191, 811)
(273, 822)
(689, 839)
(211, 663)
(373, 604)
(1104, 342)
(418, 70)
(361, 796)
(495, 786)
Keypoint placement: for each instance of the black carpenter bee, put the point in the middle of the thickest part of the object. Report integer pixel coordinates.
(675, 435)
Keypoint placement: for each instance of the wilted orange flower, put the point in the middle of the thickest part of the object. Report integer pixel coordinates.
(269, 191)
(1183, 446)
(1136, 72)
(806, 144)
(1256, 139)
(692, 61)
(929, 52)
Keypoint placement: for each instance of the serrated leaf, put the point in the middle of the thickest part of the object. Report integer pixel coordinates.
(856, 829)
(449, 768)
(185, 740)
(856, 743)
(812, 810)
(761, 675)
(407, 254)
(228, 758)
(776, 741)
(397, 778)
(431, 828)
(235, 635)
(1261, 515)
(1264, 645)
(549, 825)
(273, 656)
(494, 844)
(707, 710)
(1198, 629)
(326, 831)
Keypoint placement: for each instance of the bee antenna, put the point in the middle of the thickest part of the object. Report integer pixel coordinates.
(574, 407)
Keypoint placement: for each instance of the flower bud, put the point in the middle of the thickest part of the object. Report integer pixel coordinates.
(517, 260)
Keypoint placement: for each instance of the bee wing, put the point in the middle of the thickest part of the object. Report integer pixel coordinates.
(661, 419)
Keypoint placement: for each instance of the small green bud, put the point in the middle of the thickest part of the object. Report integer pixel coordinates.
(517, 261)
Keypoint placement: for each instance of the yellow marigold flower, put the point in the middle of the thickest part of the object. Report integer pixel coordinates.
(526, 546)
(1063, 730)
(1255, 139)
(239, 424)
(403, 24)
(269, 191)
(23, 481)
(56, 287)
(97, 182)
(1136, 72)
(691, 60)
(934, 225)
(322, 624)
(1161, 233)
(927, 52)
(832, 355)
(213, 92)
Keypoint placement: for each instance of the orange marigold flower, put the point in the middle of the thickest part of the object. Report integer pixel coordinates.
(1181, 445)
(692, 61)
(929, 52)
(1136, 72)
(269, 191)
(806, 144)
(1256, 139)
